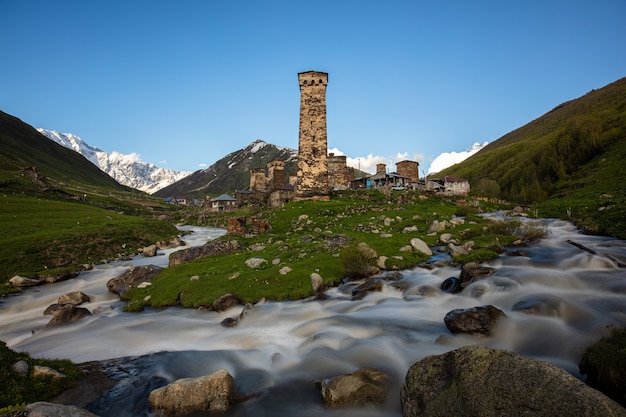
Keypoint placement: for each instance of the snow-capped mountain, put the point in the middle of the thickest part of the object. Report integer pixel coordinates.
(127, 169)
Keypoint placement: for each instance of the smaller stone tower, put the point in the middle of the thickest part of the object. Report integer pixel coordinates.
(381, 168)
(258, 181)
(275, 175)
(409, 169)
(337, 172)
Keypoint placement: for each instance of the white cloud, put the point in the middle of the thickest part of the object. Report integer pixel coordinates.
(128, 158)
(448, 159)
(202, 165)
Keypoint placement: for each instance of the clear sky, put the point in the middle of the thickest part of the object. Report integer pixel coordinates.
(183, 83)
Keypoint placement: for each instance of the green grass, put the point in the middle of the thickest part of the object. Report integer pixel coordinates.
(39, 235)
(16, 390)
(311, 236)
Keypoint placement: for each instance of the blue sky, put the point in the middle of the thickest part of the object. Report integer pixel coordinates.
(183, 83)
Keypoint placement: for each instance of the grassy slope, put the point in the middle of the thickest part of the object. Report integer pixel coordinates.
(566, 162)
(67, 212)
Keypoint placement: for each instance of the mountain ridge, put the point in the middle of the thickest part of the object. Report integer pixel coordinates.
(231, 172)
(125, 169)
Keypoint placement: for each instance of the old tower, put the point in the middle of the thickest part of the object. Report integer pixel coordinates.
(312, 174)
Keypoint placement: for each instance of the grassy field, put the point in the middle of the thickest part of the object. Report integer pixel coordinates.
(311, 236)
(41, 236)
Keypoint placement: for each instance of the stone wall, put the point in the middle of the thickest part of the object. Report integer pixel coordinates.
(312, 144)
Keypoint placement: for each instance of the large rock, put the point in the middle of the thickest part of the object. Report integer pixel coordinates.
(476, 381)
(366, 386)
(44, 409)
(74, 298)
(317, 282)
(171, 243)
(212, 248)
(68, 315)
(44, 371)
(132, 278)
(477, 321)
(213, 393)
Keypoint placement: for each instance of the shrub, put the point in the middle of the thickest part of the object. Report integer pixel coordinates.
(356, 261)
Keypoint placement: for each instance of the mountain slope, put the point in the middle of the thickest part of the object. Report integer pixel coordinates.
(22, 146)
(126, 169)
(232, 172)
(577, 144)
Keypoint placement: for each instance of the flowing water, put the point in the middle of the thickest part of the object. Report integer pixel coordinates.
(558, 299)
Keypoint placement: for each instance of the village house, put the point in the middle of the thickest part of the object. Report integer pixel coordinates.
(222, 203)
(448, 185)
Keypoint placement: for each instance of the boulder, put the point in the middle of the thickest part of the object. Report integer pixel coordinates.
(365, 387)
(213, 393)
(132, 278)
(477, 321)
(212, 248)
(317, 282)
(149, 251)
(20, 281)
(74, 298)
(44, 409)
(445, 238)
(476, 381)
(472, 271)
(421, 246)
(68, 315)
(225, 302)
(54, 309)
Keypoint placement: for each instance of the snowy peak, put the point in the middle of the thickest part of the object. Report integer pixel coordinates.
(127, 169)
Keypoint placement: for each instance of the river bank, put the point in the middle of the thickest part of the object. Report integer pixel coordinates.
(558, 300)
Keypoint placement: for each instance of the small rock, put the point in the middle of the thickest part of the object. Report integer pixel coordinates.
(421, 246)
(257, 247)
(381, 261)
(20, 281)
(191, 278)
(149, 251)
(255, 263)
(74, 298)
(445, 238)
(410, 229)
(145, 284)
(225, 302)
(45, 371)
(365, 387)
(276, 261)
(284, 270)
(406, 248)
(21, 367)
(317, 282)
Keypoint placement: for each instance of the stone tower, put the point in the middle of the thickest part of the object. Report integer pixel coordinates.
(409, 169)
(337, 172)
(275, 174)
(312, 143)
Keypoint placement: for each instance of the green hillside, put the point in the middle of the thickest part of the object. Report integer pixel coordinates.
(569, 162)
(22, 146)
(59, 211)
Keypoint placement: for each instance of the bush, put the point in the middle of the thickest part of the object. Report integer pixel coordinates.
(357, 262)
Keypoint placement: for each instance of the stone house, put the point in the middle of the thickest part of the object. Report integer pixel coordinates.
(222, 203)
(452, 185)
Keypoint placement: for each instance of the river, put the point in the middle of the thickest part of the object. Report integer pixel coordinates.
(558, 299)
